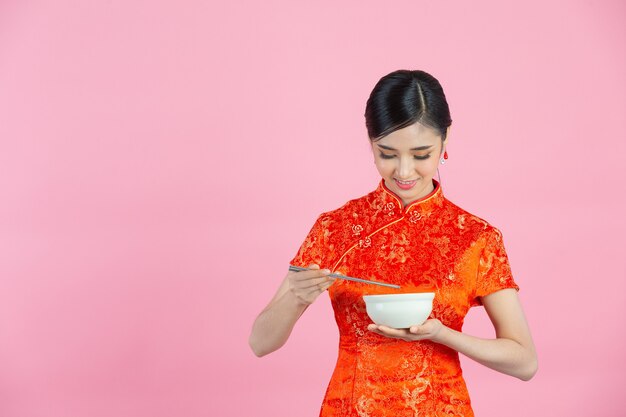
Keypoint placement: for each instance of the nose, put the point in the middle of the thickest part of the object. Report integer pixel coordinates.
(405, 169)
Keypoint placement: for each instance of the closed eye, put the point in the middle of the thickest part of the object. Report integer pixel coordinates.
(385, 156)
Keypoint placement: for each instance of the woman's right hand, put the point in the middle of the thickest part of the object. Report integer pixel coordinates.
(297, 291)
(306, 286)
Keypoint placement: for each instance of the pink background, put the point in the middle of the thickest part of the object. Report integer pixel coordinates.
(160, 163)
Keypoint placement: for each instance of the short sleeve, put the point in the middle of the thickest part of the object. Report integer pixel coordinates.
(313, 249)
(494, 271)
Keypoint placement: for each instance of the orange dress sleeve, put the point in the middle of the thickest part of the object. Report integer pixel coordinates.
(313, 248)
(494, 270)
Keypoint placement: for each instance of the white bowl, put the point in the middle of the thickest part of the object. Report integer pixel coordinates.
(399, 311)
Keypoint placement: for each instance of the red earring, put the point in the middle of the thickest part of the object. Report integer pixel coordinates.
(445, 155)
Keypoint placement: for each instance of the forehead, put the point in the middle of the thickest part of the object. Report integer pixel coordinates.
(411, 136)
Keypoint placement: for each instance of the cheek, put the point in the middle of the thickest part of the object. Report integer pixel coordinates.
(383, 165)
(429, 167)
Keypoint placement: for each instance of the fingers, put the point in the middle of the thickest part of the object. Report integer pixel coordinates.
(309, 284)
(317, 290)
(425, 328)
(403, 334)
(314, 273)
(390, 331)
(311, 278)
(308, 295)
(314, 282)
(382, 330)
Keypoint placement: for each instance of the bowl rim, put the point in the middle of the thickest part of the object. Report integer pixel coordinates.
(426, 295)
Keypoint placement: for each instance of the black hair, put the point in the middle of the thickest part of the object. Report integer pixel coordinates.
(402, 98)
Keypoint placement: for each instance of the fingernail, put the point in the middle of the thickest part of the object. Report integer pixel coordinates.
(326, 271)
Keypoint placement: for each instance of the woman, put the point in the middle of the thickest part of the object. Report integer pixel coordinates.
(405, 232)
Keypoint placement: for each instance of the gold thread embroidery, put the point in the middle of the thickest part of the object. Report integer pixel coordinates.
(389, 209)
(357, 244)
(415, 216)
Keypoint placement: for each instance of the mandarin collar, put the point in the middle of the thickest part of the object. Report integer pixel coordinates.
(391, 202)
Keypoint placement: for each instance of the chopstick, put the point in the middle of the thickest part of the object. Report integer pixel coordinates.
(384, 284)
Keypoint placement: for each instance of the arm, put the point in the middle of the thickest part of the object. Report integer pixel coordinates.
(512, 352)
(272, 327)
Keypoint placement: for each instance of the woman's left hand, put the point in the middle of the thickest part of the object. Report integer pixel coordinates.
(429, 330)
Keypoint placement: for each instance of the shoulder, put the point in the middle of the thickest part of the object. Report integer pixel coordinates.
(468, 221)
(354, 206)
(359, 210)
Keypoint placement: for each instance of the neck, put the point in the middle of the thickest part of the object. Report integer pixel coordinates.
(429, 189)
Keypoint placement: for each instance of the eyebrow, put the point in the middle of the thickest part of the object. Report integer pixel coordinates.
(419, 148)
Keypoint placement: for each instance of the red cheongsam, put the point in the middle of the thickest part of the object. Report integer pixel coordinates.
(429, 244)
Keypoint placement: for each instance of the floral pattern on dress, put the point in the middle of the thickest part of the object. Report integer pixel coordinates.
(428, 245)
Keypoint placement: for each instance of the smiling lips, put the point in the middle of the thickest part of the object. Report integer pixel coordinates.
(405, 185)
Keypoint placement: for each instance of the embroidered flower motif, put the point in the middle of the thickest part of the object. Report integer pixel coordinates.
(357, 229)
(430, 252)
(365, 243)
(415, 216)
(461, 221)
(389, 209)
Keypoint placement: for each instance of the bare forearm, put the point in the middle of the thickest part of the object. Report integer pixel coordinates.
(274, 325)
(501, 354)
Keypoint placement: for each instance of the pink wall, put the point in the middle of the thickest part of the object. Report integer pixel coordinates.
(160, 162)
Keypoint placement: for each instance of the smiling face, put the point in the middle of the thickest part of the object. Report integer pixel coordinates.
(407, 160)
